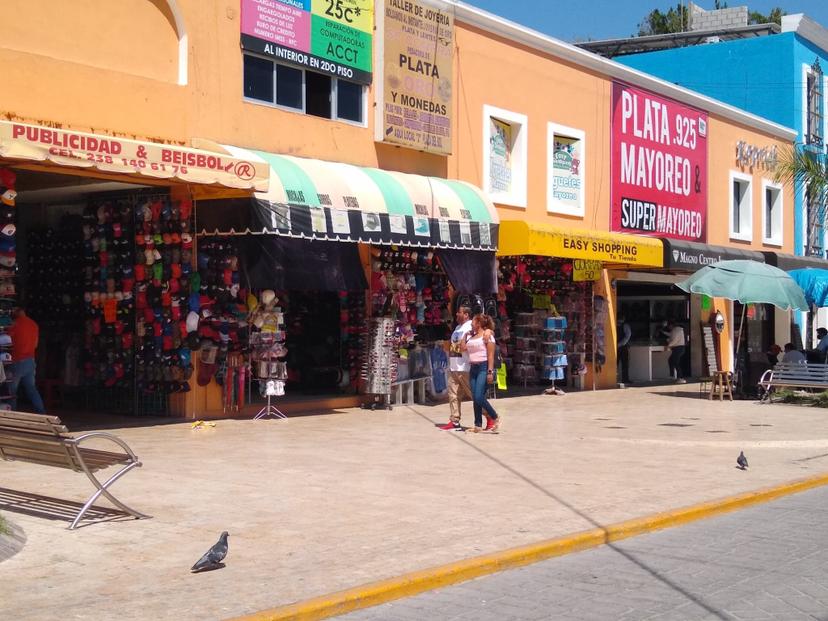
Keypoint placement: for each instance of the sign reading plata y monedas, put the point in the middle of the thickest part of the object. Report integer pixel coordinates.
(327, 36)
(418, 63)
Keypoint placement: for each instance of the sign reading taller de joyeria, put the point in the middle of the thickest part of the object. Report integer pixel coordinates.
(327, 36)
(418, 75)
(119, 155)
(659, 166)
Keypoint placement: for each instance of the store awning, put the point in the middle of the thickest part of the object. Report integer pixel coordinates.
(111, 154)
(788, 262)
(691, 256)
(532, 238)
(316, 199)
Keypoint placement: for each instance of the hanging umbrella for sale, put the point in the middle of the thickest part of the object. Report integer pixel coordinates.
(748, 282)
(814, 284)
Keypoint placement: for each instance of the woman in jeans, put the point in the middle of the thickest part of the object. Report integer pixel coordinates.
(480, 344)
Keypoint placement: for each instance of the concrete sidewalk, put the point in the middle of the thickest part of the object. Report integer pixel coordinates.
(319, 504)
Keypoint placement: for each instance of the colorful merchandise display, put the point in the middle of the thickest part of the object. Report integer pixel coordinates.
(546, 319)
(8, 273)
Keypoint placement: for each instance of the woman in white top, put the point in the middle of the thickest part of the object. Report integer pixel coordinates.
(480, 345)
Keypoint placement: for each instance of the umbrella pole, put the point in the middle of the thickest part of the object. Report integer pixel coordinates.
(738, 345)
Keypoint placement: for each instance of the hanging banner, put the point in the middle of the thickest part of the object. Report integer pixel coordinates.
(418, 69)
(500, 156)
(327, 36)
(659, 166)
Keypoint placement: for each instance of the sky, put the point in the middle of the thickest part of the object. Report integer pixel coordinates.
(609, 19)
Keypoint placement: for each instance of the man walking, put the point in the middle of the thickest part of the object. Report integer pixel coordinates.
(459, 366)
(675, 343)
(24, 333)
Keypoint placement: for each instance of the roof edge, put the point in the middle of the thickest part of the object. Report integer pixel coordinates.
(806, 28)
(532, 38)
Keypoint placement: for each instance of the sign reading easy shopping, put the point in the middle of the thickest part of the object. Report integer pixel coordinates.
(659, 166)
(327, 36)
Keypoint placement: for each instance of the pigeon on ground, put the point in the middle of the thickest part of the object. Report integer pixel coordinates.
(742, 461)
(213, 558)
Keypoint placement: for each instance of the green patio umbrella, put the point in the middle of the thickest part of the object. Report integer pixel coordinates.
(748, 282)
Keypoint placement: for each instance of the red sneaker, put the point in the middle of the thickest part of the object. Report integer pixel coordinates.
(450, 426)
(490, 423)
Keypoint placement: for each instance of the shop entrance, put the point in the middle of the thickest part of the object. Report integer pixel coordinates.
(103, 267)
(647, 308)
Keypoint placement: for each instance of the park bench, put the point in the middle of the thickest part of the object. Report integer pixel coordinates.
(42, 439)
(793, 375)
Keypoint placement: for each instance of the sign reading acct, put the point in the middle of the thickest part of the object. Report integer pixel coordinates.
(659, 166)
(418, 69)
(327, 36)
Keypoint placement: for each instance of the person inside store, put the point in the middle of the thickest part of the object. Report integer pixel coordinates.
(793, 355)
(624, 335)
(25, 334)
(773, 354)
(820, 354)
(480, 346)
(675, 343)
(458, 384)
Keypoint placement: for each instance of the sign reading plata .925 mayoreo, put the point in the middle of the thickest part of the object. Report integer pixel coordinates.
(333, 37)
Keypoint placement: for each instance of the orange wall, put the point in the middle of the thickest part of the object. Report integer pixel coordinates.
(75, 72)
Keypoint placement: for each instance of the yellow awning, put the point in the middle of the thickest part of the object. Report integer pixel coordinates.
(535, 238)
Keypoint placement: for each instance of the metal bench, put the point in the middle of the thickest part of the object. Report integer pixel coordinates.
(412, 390)
(793, 375)
(42, 439)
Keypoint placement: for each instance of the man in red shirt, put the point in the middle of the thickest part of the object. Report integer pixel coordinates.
(24, 333)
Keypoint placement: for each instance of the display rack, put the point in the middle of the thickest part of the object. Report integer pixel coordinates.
(379, 368)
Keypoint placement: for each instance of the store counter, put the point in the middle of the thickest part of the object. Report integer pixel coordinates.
(649, 362)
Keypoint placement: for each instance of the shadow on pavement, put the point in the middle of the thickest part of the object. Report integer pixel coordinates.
(630, 557)
(15, 501)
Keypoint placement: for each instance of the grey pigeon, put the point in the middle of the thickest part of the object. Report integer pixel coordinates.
(213, 558)
(742, 461)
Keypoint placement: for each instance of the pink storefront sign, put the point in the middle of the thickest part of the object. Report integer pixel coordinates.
(282, 23)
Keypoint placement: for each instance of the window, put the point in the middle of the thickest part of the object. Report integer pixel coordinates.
(565, 189)
(771, 213)
(813, 104)
(505, 156)
(305, 91)
(741, 208)
(815, 224)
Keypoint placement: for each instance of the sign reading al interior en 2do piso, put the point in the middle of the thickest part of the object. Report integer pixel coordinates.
(659, 166)
(328, 36)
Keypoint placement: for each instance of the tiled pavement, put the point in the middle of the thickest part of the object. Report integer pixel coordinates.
(322, 503)
(765, 562)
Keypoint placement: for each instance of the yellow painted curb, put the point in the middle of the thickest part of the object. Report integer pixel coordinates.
(417, 582)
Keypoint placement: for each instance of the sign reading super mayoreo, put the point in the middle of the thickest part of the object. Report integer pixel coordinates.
(327, 36)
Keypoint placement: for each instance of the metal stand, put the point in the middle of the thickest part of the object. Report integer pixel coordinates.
(269, 409)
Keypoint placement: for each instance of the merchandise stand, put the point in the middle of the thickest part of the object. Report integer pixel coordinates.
(269, 409)
(379, 369)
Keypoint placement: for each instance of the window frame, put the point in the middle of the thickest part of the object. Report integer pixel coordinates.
(809, 73)
(777, 215)
(552, 204)
(517, 197)
(333, 94)
(745, 232)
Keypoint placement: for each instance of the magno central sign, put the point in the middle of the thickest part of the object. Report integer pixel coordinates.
(659, 166)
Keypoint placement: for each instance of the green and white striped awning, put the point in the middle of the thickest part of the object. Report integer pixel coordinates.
(336, 201)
